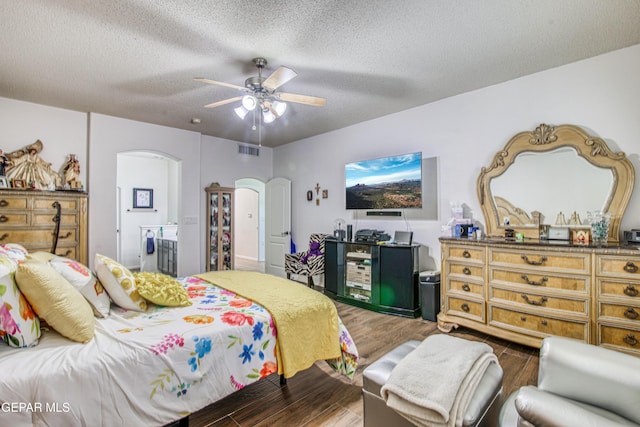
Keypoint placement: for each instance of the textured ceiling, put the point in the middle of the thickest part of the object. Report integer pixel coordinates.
(137, 59)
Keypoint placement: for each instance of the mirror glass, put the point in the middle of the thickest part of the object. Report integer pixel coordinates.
(550, 183)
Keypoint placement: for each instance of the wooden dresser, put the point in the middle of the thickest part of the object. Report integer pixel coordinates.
(30, 218)
(524, 292)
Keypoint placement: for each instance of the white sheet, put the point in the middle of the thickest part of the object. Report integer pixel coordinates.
(143, 369)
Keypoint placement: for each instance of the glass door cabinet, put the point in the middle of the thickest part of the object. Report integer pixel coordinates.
(220, 239)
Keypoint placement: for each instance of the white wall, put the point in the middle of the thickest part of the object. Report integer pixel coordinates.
(601, 95)
(62, 132)
(111, 135)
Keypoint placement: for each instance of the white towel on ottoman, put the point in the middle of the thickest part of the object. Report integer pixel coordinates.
(433, 385)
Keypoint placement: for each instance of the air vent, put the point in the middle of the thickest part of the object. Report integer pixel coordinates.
(248, 149)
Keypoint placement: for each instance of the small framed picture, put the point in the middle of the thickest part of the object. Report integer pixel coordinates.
(18, 183)
(580, 236)
(143, 198)
(4, 183)
(309, 195)
(325, 194)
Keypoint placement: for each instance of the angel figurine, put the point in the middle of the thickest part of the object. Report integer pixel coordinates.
(71, 172)
(27, 165)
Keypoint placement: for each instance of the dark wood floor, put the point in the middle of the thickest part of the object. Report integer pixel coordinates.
(320, 397)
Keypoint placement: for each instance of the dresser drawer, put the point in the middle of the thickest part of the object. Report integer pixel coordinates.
(538, 325)
(618, 266)
(466, 286)
(12, 202)
(48, 219)
(566, 262)
(468, 270)
(465, 308)
(26, 237)
(620, 338)
(47, 203)
(13, 219)
(533, 299)
(619, 288)
(469, 253)
(620, 311)
(541, 280)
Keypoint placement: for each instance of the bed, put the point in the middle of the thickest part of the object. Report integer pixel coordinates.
(157, 366)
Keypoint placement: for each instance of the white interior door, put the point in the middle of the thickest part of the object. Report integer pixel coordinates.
(278, 224)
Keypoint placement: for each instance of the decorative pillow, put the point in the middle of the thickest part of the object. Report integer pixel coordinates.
(41, 256)
(14, 251)
(82, 279)
(19, 326)
(161, 289)
(119, 283)
(56, 301)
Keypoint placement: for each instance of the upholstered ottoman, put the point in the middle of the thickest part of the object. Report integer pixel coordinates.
(483, 409)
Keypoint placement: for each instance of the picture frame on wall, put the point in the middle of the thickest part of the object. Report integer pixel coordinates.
(143, 198)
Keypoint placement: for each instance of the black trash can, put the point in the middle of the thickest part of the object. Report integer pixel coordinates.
(430, 294)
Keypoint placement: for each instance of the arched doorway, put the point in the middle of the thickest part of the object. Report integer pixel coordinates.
(146, 170)
(249, 200)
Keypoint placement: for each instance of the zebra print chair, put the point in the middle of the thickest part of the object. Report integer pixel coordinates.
(308, 263)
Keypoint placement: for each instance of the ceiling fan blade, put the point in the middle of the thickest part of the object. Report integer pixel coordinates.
(278, 78)
(213, 82)
(223, 102)
(303, 99)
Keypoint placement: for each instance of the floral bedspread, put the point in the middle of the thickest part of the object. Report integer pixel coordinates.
(147, 368)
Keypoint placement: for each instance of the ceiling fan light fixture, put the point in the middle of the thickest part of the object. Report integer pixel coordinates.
(249, 102)
(279, 107)
(241, 112)
(268, 116)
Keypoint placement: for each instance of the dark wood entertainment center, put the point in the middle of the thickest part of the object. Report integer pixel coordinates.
(379, 277)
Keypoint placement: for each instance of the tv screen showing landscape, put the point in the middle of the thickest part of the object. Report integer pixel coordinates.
(385, 183)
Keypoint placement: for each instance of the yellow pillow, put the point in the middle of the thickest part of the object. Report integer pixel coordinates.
(41, 256)
(56, 301)
(161, 289)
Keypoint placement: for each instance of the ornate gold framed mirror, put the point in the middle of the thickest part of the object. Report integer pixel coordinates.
(553, 174)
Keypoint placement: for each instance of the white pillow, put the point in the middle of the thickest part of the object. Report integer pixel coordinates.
(119, 283)
(19, 325)
(86, 282)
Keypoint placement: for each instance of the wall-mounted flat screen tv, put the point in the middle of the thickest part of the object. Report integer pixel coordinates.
(386, 183)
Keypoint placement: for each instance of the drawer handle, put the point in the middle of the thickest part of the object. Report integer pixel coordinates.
(4, 218)
(466, 271)
(630, 313)
(630, 267)
(533, 282)
(66, 254)
(4, 236)
(466, 254)
(631, 291)
(66, 236)
(532, 302)
(544, 322)
(465, 307)
(3, 203)
(630, 339)
(523, 318)
(531, 262)
(466, 287)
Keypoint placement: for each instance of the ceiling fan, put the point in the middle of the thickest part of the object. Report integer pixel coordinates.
(262, 93)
